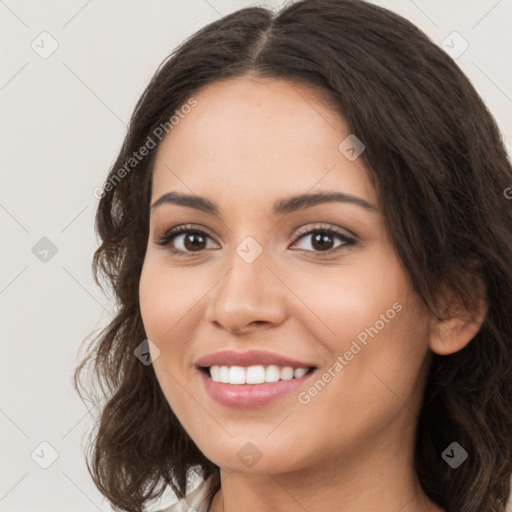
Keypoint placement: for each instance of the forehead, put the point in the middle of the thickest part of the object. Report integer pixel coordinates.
(258, 136)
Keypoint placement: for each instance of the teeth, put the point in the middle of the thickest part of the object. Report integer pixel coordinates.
(254, 375)
(272, 373)
(300, 372)
(257, 374)
(215, 373)
(286, 373)
(223, 374)
(236, 375)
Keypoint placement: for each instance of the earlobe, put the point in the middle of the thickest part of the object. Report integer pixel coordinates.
(457, 326)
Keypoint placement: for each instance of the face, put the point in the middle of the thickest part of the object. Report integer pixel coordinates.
(319, 284)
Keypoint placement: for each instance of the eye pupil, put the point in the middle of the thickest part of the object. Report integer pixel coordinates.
(322, 241)
(190, 238)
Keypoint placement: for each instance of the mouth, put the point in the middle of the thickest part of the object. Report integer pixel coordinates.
(256, 374)
(253, 386)
(252, 378)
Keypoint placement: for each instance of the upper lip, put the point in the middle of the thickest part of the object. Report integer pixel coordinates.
(250, 358)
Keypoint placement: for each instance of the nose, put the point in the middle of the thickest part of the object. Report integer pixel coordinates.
(249, 296)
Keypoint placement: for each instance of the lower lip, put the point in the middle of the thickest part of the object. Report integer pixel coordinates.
(251, 395)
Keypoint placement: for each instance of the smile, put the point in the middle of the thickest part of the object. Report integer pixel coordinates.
(238, 394)
(257, 374)
(253, 378)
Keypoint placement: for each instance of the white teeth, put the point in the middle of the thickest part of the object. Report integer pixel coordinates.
(223, 374)
(286, 373)
(215, 373)
(237, 375)
(257, 374)
(272, 373)
(300, 372)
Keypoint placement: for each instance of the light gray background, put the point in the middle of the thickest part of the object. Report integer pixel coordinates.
(63, 119)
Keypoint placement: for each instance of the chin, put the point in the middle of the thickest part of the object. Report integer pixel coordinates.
(255, 457)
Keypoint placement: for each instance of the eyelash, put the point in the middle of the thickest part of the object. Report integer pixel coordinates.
(169, 235)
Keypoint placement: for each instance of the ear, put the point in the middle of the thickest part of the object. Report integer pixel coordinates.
(458, 324)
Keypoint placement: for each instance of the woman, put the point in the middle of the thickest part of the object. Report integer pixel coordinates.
(309, 239)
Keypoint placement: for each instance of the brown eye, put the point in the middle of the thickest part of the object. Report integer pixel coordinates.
(322, 240)
(184, 240)
(193, 241)
(188, 241)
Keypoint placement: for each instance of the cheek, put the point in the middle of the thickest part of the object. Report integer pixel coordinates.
(161, 308)
(168, 298)
(369, 315)
(376, 381)
(166, 305)
(340, 302)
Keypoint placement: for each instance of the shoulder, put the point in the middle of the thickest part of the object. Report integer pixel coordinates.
(195, 500)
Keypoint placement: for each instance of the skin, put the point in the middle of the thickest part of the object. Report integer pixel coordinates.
(249, 142)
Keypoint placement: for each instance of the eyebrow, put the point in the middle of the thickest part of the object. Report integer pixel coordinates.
(285, 205)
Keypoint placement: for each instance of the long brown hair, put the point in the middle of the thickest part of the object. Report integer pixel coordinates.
(440, 169)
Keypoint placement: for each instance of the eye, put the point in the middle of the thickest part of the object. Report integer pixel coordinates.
(190, 238)
(323, 239)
